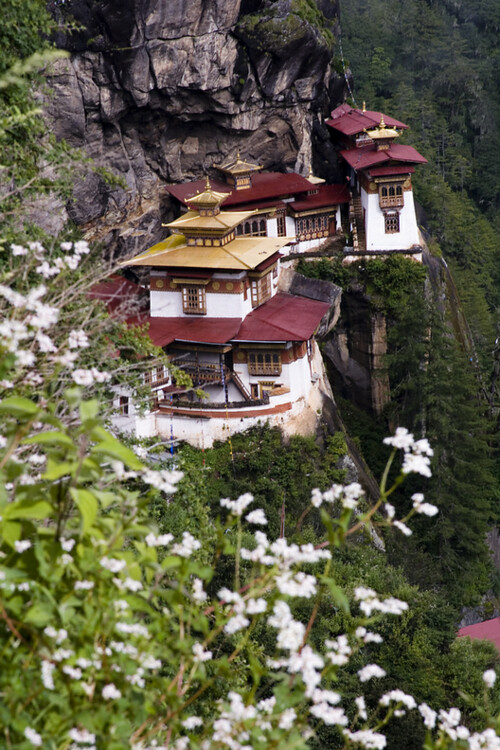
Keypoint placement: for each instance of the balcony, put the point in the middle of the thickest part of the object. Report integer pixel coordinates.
(392, 201)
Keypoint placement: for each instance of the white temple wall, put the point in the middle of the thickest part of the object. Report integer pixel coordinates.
(169, 305)
(272, 227)
(376, 237)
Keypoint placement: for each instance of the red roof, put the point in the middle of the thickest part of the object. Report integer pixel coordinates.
(163, 331)
(394, 169)
(119, 292)
(283, 318)
(265, 185)
(368, 156)
(350, 121)
(484, 631)
(327, 195)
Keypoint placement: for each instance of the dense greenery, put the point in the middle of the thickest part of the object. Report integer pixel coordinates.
(435, 65)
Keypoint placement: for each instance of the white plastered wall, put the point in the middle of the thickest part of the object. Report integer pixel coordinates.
(376, 237)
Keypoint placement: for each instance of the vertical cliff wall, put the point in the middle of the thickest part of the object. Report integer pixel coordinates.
(159, 91)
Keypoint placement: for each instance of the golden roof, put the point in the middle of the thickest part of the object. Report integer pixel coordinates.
(208, 198)
(241, 254)
(314, 180)
(221, 222)
(238, 166)
(382, 131)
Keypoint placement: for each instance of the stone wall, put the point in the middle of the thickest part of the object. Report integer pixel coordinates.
(157, 92)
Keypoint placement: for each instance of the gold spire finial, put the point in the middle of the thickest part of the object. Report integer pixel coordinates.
(207, 184)
(364, 106)
(382, 123)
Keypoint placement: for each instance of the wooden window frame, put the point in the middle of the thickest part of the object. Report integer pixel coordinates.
(391, 221)
(261, 289)
(391, 195)
(194, 299)
(264, 362)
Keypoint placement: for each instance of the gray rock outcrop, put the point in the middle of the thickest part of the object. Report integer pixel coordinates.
(157, 92)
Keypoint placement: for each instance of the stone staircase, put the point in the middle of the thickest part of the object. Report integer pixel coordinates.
(357, 222)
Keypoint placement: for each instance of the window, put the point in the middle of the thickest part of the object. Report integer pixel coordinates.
(255, 228)
(123, 404)
(261, 289)
(391, 223)
(264, 363)
(281, 225)
(194, 300)
(391, 196)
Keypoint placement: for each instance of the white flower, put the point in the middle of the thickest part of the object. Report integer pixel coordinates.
(58, 635)
(112, 564)
(330, 716)
(47, 677)
(238, 622)
(81, 247)
(428, 715)
(110, 692)
(398, 696)
(371, 670)
(257, 516)
(19, 250)
(22, 546)
(256, 606)
(45, 343)
(361, 706)
(82, 736)
(134, 629)
(426, 508)
(83, 377)
(367, 738)
(33, 737)
(402, 527)
(67, 544)
(199, 595)
(25, 358)
(100, 376)
(74, 672)
(78, 340)
(416, 464)
(84, 585)
(132, 585)
(299, 584)
(402, 439)
(199, 653)
(188, 545)
(158, 541)
(192, 722)
(237, 506)
(287, 719)
(489, 677)
(65, 559)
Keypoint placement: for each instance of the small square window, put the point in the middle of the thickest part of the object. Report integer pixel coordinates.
(391, 223)
(194, 300)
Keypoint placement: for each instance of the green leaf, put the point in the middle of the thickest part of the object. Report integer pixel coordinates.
(89, 410)
(87, 504)
(17, 406)
(11, 532)
(25, 509)
(39, 614)
(114, 449)
(338, 595)
(52, 437)
(56, 469)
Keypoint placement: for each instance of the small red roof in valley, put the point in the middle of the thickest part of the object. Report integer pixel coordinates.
(484, 631)
(284, 317)
(350, 121)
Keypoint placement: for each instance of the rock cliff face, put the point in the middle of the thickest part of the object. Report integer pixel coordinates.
(159, 91)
